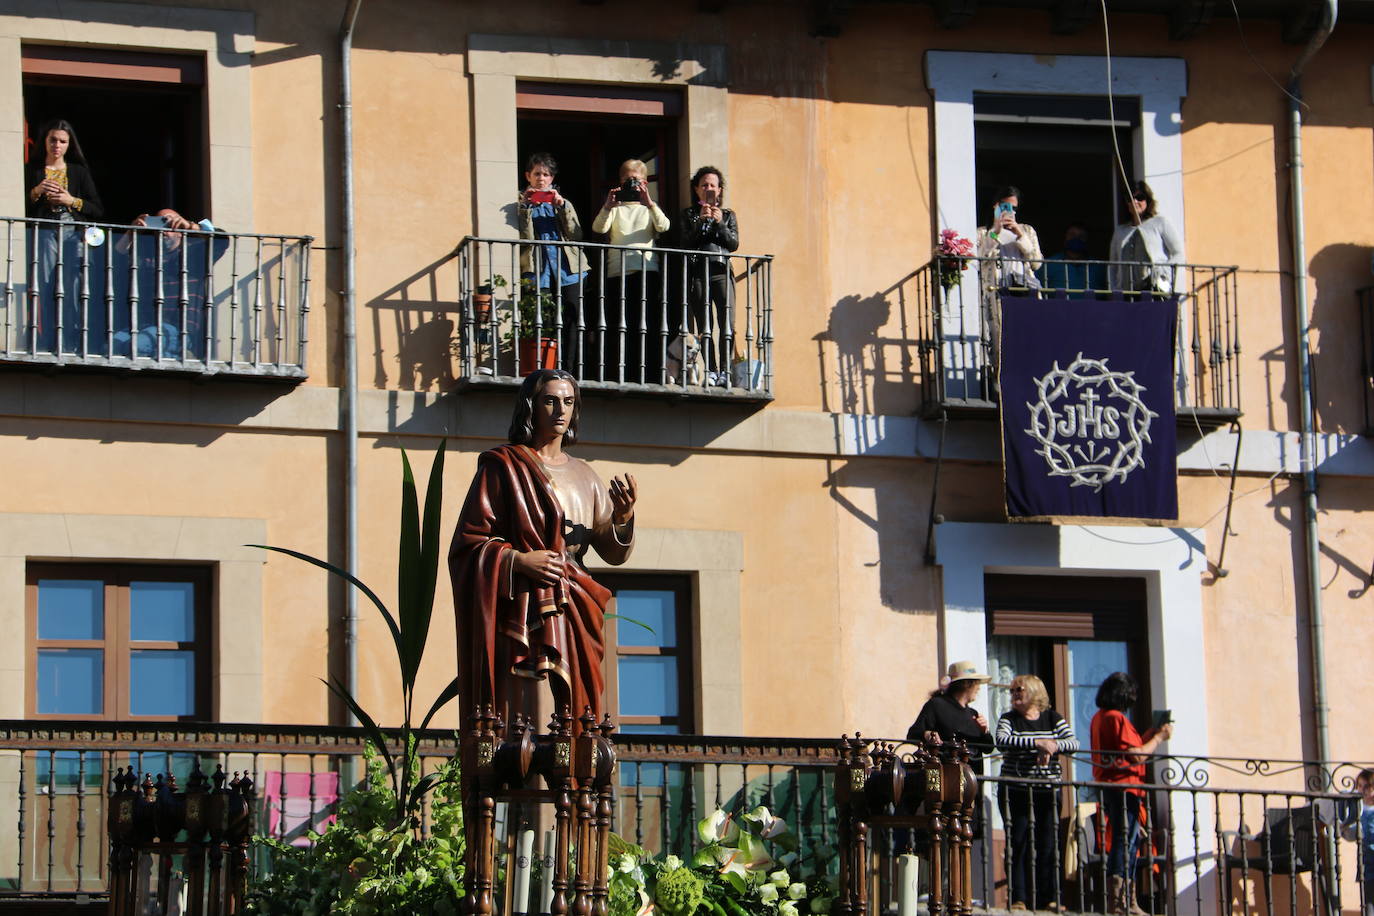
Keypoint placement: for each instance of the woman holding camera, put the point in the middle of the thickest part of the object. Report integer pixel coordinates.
(60, 188)
(559, 270)
(632, 220)
(710, 227)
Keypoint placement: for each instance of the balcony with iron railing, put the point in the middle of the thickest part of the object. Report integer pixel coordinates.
(657, 322)
(957, 300)
(188, 302)
(1222, 835)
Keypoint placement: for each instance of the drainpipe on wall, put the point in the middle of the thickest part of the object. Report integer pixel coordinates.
(350, 351)
(1301, 328)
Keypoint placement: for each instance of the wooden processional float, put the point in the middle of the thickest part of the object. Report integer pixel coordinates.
(574, 773)
(925, 799)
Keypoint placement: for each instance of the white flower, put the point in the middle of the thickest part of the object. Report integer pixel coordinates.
(769, 826)
(626, 863)
(780, 878)
(796, 891)
(820, 905)
(788, 908)
(671, 863)
(718, 827)
(768, 893)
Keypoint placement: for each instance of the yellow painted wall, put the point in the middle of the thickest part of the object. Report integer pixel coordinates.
(830, 170)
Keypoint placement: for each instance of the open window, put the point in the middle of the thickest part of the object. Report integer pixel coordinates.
(1058, 151)
(140, 118)
(590, 130)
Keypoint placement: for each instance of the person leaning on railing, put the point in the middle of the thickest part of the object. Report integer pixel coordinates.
(1146, 248)
(1031, 737)
(632, 224)
(708, 226)
(947, 715)
(1119, 753)
(60, 187)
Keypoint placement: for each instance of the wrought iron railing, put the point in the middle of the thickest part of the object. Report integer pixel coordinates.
(1211, 847)
(101, 295)
(619, 321)
(958, 302)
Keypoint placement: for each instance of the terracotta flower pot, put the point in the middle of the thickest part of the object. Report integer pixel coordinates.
(481, 308)
(541, 353)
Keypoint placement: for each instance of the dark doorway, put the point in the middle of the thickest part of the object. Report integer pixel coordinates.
(1058, 151)
(590, 130)
(144, 140)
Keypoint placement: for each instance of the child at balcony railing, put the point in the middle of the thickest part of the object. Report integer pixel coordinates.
(560, 270)
(1145, 247)
(60, 188)
(710, 227)
(1359, 826)
(631, 219)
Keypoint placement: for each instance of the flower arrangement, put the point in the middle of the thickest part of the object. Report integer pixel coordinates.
(951, 257)
(733, 874)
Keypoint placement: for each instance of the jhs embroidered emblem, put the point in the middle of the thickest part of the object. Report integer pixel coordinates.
(1090, 422)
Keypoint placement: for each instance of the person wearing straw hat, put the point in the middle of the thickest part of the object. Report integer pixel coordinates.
(948, 714)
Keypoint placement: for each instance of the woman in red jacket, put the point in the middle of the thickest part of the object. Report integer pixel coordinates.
(1119, 755)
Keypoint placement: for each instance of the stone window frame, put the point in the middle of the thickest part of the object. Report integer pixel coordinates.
(225, 38)
(236, 599)
(496, 62)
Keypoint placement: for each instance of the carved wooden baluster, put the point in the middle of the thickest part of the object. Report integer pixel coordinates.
(938, 886)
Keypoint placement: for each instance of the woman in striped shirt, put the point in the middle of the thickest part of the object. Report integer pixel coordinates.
(1031, 737)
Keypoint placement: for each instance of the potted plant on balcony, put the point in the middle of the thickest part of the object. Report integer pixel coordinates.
(952, 255)
(481, 299)
(538, 314)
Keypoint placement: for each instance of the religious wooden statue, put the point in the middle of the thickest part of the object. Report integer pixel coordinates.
(526, 606)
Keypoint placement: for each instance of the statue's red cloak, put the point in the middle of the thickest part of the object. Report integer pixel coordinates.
(509, 627)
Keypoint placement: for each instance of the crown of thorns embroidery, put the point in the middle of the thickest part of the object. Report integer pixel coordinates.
(1090, 422)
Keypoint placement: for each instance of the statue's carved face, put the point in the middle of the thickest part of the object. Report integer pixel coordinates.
(553, 409)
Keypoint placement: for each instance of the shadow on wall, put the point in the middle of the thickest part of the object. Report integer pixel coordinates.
(420, 314)
(862, 371)
(868, 372)
(1339, 381)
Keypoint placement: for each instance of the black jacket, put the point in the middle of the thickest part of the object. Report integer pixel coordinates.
(943, 715)
(720, 236)
(79, 184)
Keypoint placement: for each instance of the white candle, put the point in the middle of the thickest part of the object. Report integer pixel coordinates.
(546, 892)
(524, 849)
(908, 889)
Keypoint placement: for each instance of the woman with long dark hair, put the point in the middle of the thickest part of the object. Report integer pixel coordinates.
(60, 188)
(1119, 756)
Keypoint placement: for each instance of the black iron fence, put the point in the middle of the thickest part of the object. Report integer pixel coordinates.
(1282, 837)
(958, 307)
(633, 319)
(205, 302)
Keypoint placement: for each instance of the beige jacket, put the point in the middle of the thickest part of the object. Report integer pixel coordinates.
(570, 228)
(633, 225)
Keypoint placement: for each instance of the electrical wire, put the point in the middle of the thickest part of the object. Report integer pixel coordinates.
(1111, 113)
(1256, 61)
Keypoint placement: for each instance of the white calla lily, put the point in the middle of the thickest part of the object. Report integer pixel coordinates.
(768, 825)
(768, 893)
(788, 908)
(796, 890)
(780, 878)
(718, 827)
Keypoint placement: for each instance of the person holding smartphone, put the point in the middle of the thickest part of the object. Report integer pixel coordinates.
(632, 221)
(1009, 255)
(1119, 757)
(708, 226)
(560, 270)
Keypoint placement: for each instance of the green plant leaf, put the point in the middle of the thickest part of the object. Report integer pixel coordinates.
(431, 547)
(347, 577)
(638, 623)
(374, 734)
(442, 700)
(423, 785)
(409, 585)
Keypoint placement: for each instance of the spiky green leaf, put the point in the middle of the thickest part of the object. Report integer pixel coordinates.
(374, 734)
(448, 694)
